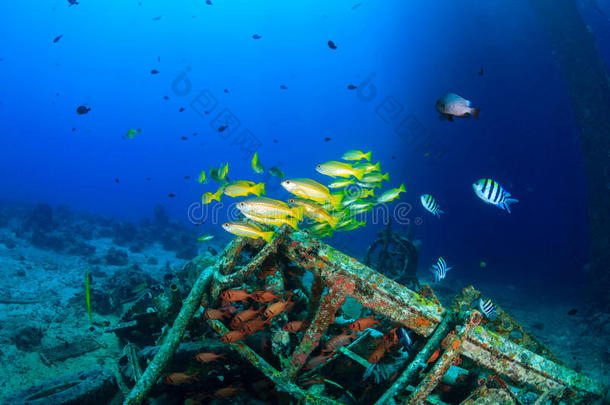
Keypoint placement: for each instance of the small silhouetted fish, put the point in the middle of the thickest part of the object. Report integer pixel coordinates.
(194, 133)
(148, 179)
(481, 72)
(184, 138)
(275, 141)
(187, 177)
(158, 59)
(116, 180)
(154, 72)
(256, 36)
(332, 45)
(73, 129)
(326, 139)
(393, 157)
(57, 38)
(157, 18)
(171, 195)
(72, 2)
(208, 2)
(226, 90)
(165, 98)
(572, 311)
(283, 86)
(222, 128)
(181, 109)
(82, 110)
(355, 6)
(351, 87)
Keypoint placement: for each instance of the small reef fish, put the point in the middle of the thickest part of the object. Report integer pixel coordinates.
(339, 169)
(248, 230)
(487, 307)
(293, 326)
(265, 296)
(440, 269)
(257, 166)
(341, 183)
(205, 238)
(431, 205)
(315, 212)
(81, 110)
(275, 172)
(350, 225)
(332, 45)
(208, 197)
(226, 392)
(292, 222)
(202, 178)
(451, 105)
(312, 190)
(242, 188)
(223, 170)
(363, 323)
(132, 133)
(253, 325)
(233, 295)
(277, 308)
(356, 155)
(317, 361)
(375, 178)
(391, 194)
(180, 378)
(209, 357)
(337, 342)
(492, 193)
(232, 337)
(246, 315)
(269, 208)
(368, 167)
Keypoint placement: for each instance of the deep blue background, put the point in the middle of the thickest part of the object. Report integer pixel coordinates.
(414, 52)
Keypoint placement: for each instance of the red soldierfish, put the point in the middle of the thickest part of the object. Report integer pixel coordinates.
(317, 361)
(363, 323)
(277, 308)
(232, 337)
(235, 295)
(293, 326)
(180, 378)
(208, 357)
(253, 326)
(215, 314)
(265, 296)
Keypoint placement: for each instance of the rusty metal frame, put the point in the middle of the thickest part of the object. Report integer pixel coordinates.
(344, 276)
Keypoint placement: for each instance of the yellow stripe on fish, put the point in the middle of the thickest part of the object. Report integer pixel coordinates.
(242, 188)
(247, 229)
(356, 155)
(292, 222)
(312, 190)
(315, 212)
(339, 169)
(269, 208)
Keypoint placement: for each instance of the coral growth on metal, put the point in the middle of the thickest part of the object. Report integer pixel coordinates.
(453, 356)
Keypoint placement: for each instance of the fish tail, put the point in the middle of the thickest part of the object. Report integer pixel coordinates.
(369, 193)
(475, 113)
(367, 156)
(507, 202)
(293, 223)
(267, 235)
(333, 221)
(386, 176)
(297, 212)
(376, 167)
(358, 173)
(335, 200)
(402, 188)
(259, 189)
(439, 212)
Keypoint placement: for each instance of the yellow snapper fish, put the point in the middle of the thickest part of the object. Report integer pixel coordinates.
(314, 211)
(368, 167)
(205, 238)
(341, 183)
(350, 224)
(242, 188)
(223, 170)
(375, 178)
(366, 185)
(312, 190)
(359, 207)
(391, 194)
(208, 197)
(248, 230)
(202, 178)
(356, 155)
(257, 166)
(360, 192)
(451, 105)
(339, 169)
(269, 208)
(292, 222)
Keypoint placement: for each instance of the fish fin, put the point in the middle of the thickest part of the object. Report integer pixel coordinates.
(376, 166)
(386, 176)
(450, 118)
(439, 212)
(369, 193)
(358, 173)
(333, 221)
(335, 200)
(293, 223)
(367, 156)
(259, 189)
(267, 235)
(507, 203)
(447, 269)
(297, 212)
(475, 113)
(402, 188)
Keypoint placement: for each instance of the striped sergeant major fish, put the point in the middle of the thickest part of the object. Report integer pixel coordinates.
(487, 307)
(492, 193)
(431, 205)
(440, 269)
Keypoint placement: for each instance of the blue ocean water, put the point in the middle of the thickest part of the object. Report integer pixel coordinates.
(178, 71)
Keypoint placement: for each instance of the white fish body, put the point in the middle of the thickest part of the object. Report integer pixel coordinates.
(452, 105)
(493, 193)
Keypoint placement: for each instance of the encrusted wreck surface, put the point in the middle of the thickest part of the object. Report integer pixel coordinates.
(454, 357)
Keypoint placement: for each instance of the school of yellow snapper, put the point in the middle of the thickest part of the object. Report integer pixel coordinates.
(327, 208)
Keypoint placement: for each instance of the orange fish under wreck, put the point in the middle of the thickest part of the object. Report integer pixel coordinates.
(317, 361)
(215, 314)
(232, 337)
(235, 295)
(180, 378)
(336, 342)
(226, 392)
(277, 308)
(245, 316)
(294, 326)
(265, 296)
(363, 323)
(209, 357)
(253, 326)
